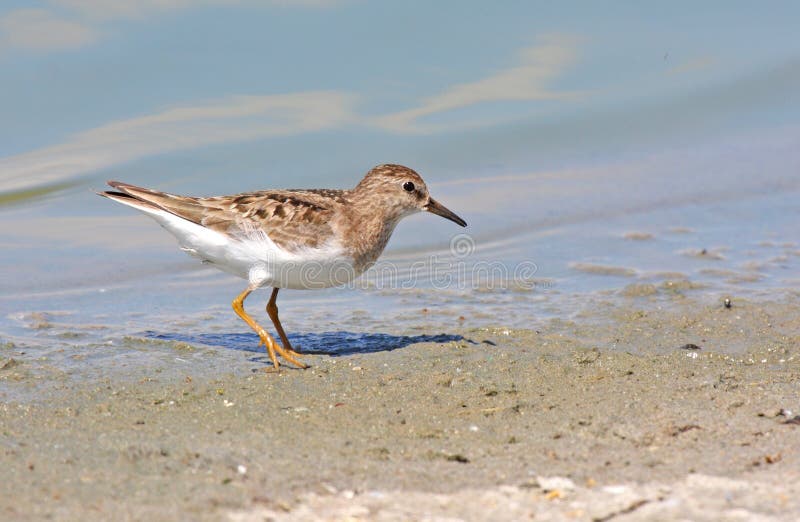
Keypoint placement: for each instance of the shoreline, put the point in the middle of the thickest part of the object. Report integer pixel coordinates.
(608, 399)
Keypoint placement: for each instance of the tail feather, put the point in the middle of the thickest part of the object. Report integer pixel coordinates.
(127, 199)
(147, 199)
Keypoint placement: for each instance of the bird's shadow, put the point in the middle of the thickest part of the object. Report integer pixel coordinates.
(327, 343)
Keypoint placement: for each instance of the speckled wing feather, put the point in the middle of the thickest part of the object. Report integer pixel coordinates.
(292, 219)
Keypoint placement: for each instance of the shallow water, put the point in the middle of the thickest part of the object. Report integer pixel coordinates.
(85, 280)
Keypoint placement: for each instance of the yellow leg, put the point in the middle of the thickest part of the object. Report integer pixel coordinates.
(266, 338)
(272, 311)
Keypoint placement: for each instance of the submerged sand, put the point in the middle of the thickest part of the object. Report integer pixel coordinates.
(635, 411)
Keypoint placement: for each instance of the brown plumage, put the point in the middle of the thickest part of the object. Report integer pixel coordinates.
(291, 218)
(351, 227)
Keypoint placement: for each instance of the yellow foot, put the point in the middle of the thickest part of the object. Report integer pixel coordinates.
(293, 352)
(272, 347)
(266, 341)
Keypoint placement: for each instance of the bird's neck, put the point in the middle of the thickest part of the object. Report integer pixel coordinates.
(371, 226)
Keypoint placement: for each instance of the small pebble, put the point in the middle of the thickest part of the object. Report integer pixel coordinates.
(727, 302)
(616, 489)
(555, 483)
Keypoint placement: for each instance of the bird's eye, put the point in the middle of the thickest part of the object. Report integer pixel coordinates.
(408, 186)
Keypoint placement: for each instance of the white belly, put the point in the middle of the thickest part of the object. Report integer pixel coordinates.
(259, 260)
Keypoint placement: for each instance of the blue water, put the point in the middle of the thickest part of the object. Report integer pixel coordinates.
(89, 287)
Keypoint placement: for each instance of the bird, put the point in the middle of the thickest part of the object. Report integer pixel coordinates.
(292, 238)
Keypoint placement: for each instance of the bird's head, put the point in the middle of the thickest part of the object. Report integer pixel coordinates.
(402, 192)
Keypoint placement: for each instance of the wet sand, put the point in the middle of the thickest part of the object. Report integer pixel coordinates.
(634, 411)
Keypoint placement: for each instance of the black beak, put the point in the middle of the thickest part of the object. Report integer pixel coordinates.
(437, 208)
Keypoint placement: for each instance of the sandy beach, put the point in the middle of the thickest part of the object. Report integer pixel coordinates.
(635, 413)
